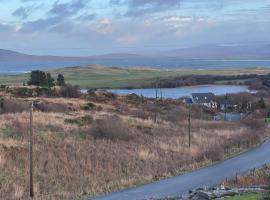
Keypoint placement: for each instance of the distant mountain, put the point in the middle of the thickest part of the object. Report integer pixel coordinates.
(221, 52)
(8, 54)
(194, 57)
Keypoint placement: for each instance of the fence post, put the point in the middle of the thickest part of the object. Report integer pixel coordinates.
(156, 103)
(189, 126)
(31, 184)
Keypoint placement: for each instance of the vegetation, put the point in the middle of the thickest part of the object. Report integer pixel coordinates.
(102, 77)
(90, 144)
(261, 103)
(60, 80)
(101, 143)
(41, 78)
(246, 197)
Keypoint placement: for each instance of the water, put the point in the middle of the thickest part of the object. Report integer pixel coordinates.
(162, 63)
(175, 93)
(230, 116)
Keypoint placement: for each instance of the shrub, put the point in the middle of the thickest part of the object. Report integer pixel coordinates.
(267, 194)
(70, 91)
(89, 106)
(253, 123)
(17, 130)
(52, 107)
(112, 128)
(22, 92)
(12, 106)
(261, 104)
(3, 87)
(213, 151)
(80, 121)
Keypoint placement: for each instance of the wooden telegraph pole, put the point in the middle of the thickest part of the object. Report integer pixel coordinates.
(31, 184)
(156, 102)
(189, 126)
(226, 102)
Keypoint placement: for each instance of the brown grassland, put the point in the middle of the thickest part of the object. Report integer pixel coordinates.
(98, 144)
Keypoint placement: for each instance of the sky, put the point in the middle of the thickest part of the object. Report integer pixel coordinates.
(92, 27)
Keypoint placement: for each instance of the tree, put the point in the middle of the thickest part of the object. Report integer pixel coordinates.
(261, 103)
(1, 104)
(267, 194)
(38, 78)
(50, 80)
(70, 91)
(60, 80)
(266, 81)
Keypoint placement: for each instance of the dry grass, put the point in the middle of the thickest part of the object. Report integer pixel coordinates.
(74, 160)
(258, 177)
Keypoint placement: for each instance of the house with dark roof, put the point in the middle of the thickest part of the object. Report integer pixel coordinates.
(204, 99)
(186, 100)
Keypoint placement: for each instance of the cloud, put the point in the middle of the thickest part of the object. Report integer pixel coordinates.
(68, 9)
(57, 16)
(144, 7)
(24, 12)
(102, 27)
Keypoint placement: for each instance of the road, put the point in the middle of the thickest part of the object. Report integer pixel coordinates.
(208, 176)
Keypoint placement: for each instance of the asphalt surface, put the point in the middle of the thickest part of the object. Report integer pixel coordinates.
(208, 176)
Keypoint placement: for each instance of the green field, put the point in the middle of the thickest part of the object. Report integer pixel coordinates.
(95, 76)
(246, 197)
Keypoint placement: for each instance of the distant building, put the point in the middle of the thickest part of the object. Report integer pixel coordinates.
(187, 100)
(205, 99)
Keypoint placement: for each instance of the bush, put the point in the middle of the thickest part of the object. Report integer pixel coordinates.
(80, 121)
(89, 106)
(12, 106)
(17, 130)
(70, 91)
(52, 107)
(254, 123)
(23, 92)
(112, 128)
(267, 194)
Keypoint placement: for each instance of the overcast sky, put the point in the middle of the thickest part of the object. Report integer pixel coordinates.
(89, 27)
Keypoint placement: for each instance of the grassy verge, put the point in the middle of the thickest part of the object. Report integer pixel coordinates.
(246, 197)
(103, 77)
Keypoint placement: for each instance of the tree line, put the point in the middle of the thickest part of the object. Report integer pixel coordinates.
(43, 79)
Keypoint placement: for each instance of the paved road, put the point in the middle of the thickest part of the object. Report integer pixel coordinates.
(208, 176)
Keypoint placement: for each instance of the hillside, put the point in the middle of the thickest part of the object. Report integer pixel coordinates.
(100, 143)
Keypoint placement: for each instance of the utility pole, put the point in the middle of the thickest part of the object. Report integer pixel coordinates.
(189, 126)
(226, 101)
(31, 184)
(156, 102)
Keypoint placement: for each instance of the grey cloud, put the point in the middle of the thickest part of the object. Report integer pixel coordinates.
(24, 12)
(60, 13)
(40, 24)
(69, 8)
